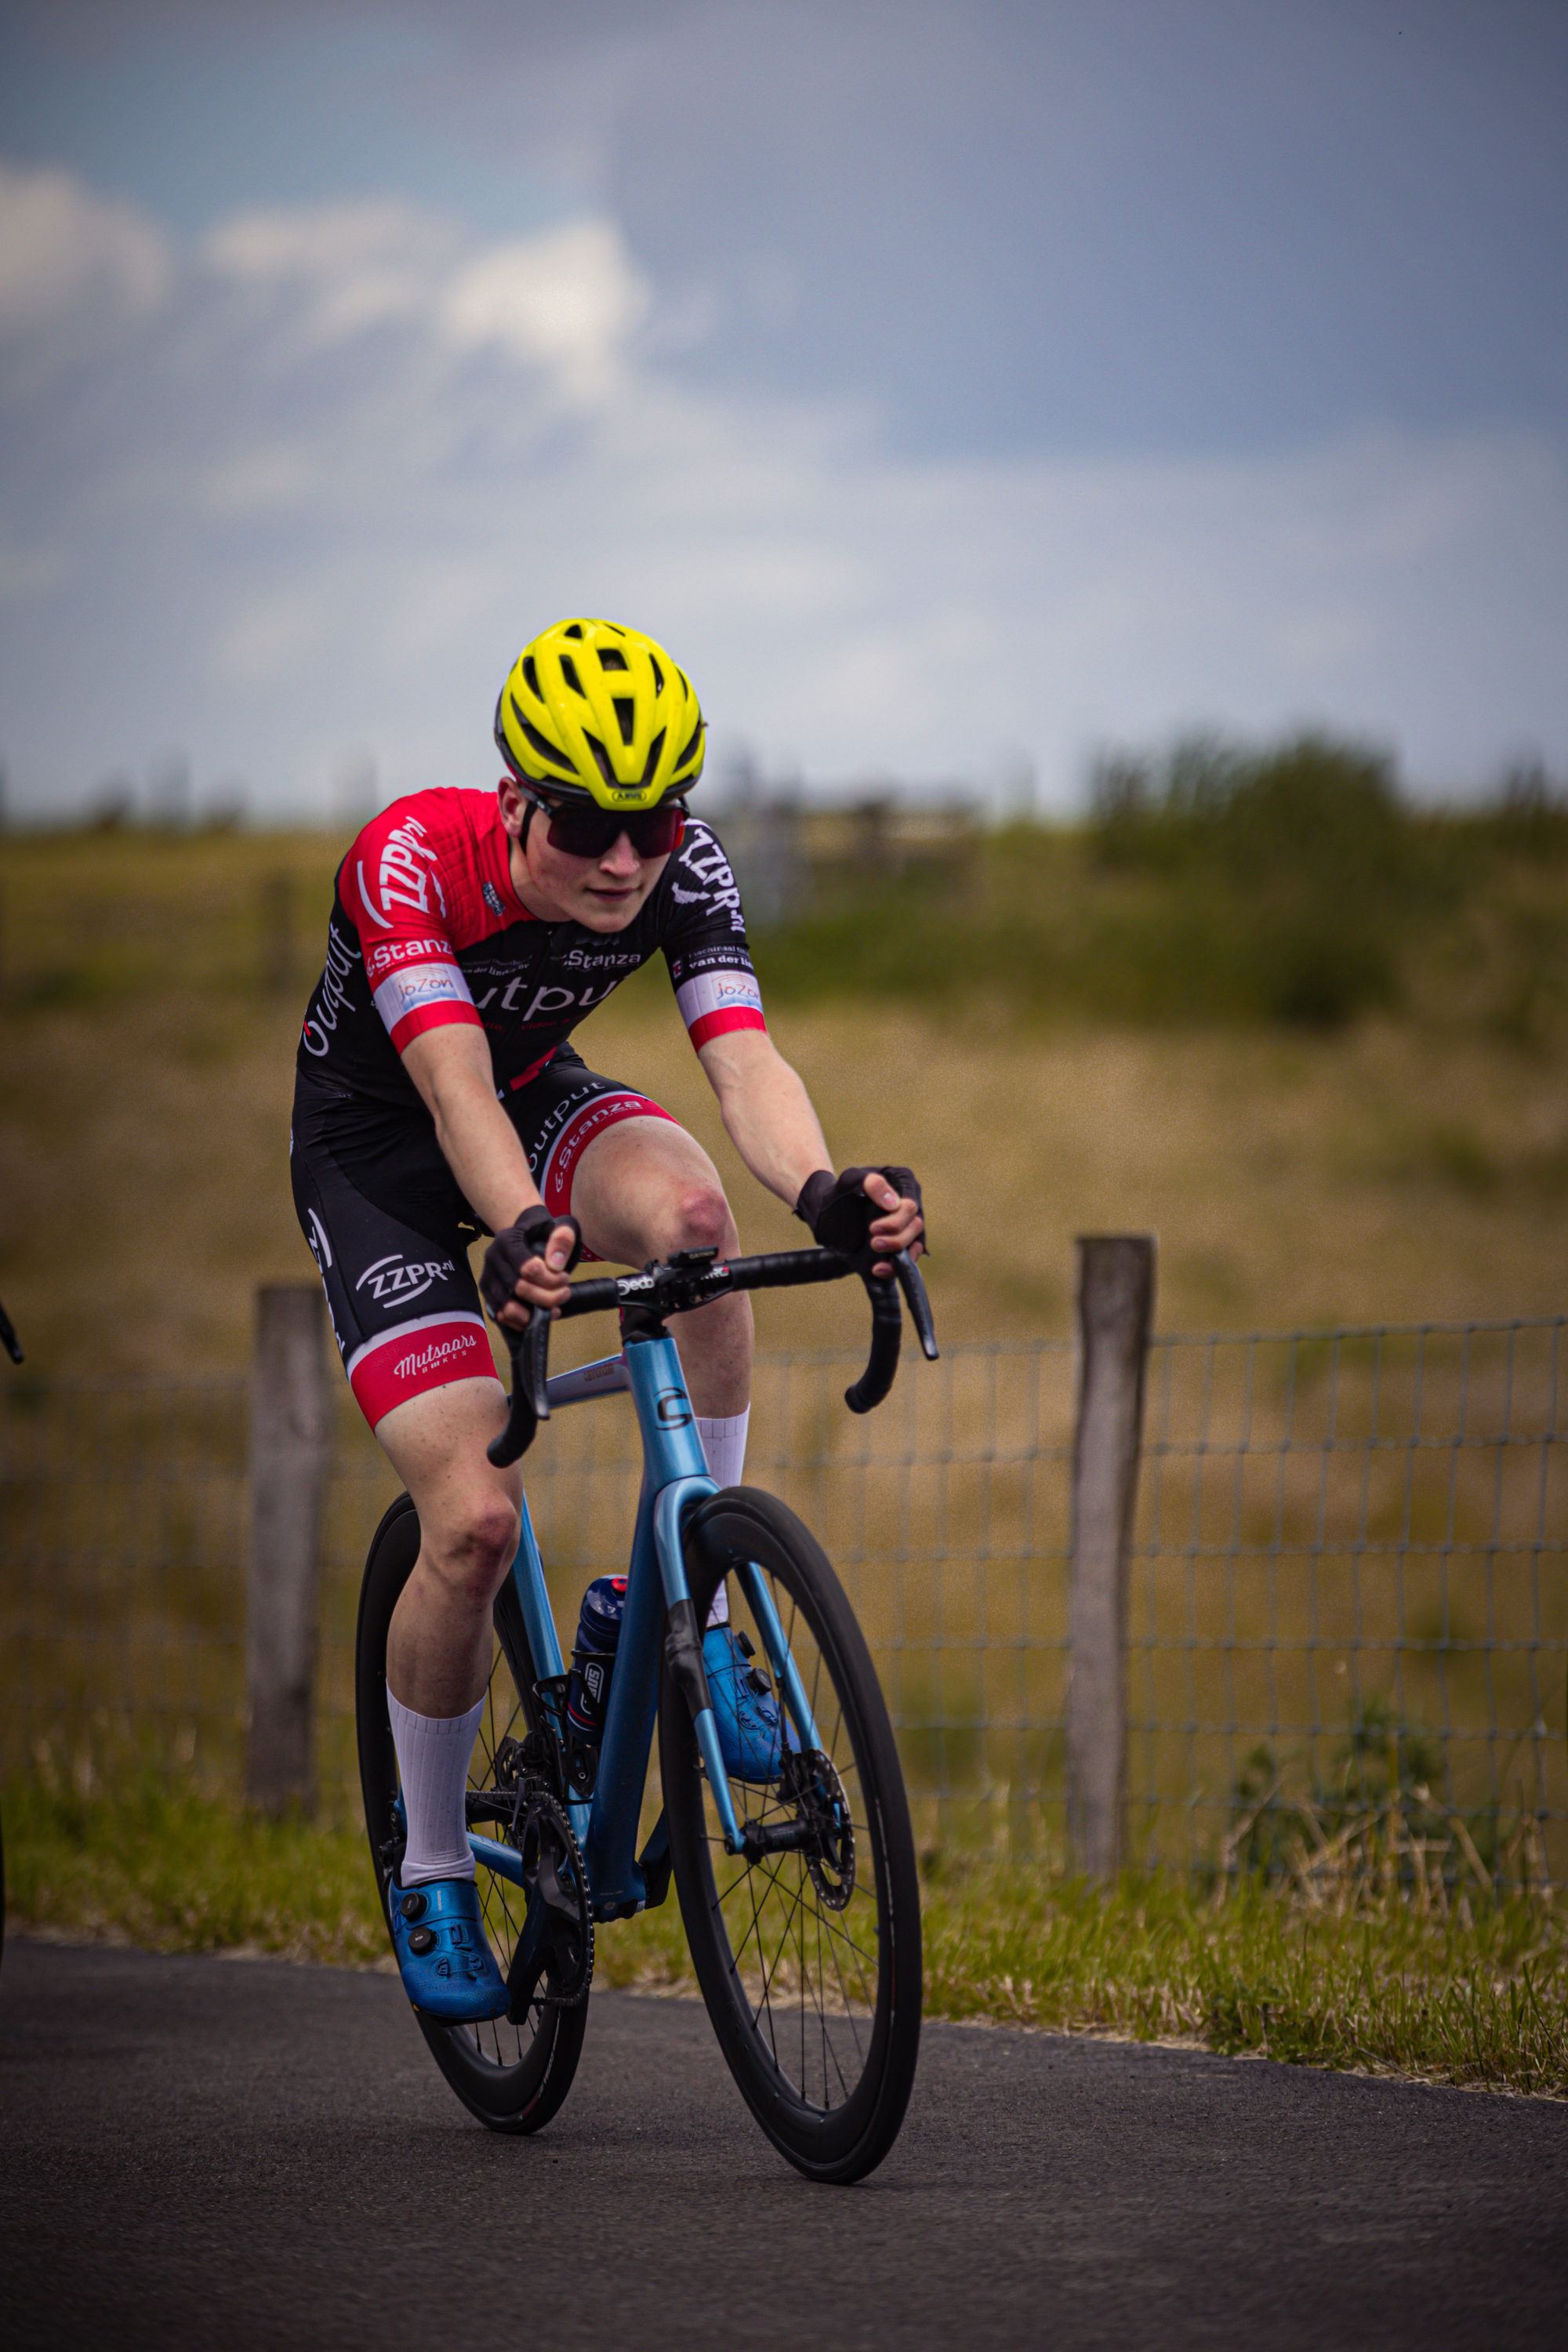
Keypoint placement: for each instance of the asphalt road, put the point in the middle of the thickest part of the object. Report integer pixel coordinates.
(200, 2153)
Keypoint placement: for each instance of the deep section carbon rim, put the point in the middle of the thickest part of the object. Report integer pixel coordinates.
(807, 1949)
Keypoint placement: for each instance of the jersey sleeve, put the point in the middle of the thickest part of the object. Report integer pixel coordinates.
(704, 940)
(395, 892)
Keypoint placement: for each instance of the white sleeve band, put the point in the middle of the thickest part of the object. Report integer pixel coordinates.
(415, 985)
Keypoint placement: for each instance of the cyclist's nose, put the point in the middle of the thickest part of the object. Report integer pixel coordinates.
(621, 858)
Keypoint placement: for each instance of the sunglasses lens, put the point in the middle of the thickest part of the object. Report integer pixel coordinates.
(591, 832)
(581, 833)
(657, 832)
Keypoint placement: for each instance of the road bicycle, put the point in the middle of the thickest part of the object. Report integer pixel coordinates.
(798, 1888)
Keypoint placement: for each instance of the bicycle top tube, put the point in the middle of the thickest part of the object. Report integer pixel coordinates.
(691, 1279)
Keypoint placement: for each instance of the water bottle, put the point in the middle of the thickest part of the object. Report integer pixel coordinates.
(593, 1657)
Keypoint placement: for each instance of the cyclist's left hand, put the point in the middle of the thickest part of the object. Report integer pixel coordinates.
(835, 1208)
(900, 1226)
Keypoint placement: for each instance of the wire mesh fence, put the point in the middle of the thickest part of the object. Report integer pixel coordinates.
(1348, 1585)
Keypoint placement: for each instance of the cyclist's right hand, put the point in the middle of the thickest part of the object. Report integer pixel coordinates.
(527, 1267)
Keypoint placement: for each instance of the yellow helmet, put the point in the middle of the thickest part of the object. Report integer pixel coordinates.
(591, 710)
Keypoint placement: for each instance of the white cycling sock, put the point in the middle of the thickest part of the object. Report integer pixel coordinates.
(724, 1444)
(432, 1752)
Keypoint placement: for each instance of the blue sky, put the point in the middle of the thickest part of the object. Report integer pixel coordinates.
(956, 389)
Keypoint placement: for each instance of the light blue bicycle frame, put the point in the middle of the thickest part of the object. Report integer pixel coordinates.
(674, 1480)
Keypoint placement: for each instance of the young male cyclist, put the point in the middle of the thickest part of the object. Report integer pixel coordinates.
(438, 1097)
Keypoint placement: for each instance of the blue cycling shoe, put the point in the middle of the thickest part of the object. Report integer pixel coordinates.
(443, 1952)
(745, 1711)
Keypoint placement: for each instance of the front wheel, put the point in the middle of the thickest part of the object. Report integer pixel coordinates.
(808, 1956)
(512, 2076)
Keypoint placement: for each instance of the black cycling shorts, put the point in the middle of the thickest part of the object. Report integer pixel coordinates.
(389, 1228)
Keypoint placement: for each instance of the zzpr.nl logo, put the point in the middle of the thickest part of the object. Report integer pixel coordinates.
(397, 1277)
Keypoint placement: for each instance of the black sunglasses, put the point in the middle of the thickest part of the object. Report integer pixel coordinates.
(589, 831)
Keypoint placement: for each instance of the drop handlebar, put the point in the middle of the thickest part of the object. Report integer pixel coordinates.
(676, 1286)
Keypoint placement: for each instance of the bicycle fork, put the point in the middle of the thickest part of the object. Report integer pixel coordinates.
(653, 1368)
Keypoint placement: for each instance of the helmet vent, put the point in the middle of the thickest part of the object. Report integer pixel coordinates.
(541, 744)
(626, 712)
(658, 675)
(569, 672)
(692, 748)
(611, 658)
(532, 677)
(602, 757)
(653, 751)
(574, 629)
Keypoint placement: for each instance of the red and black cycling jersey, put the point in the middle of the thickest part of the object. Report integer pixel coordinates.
(426, 929)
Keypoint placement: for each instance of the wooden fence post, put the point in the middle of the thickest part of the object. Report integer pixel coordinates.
(1115, 1307)
(290, 1458)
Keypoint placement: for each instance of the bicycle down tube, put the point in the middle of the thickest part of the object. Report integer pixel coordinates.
(675, 1478)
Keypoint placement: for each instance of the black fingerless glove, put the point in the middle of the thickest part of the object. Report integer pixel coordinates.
(837, 1210)
(511, 1252)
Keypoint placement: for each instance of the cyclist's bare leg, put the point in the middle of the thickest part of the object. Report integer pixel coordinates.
(645, 1189)
(439, 1644)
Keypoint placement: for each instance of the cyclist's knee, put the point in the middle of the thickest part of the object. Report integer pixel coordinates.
(474, 1545)
(698, 1216)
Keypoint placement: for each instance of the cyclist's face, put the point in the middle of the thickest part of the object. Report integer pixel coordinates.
(603, 894)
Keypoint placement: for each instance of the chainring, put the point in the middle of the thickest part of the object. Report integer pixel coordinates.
(556, 1941)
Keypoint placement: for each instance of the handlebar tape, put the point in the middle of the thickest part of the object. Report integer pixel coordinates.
(530, 1391)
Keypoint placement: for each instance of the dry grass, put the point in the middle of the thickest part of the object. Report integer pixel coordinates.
(1402, 1170)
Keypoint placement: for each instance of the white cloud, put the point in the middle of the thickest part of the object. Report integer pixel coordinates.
(570, 300)
(68, 256)
(362, 457)
(336, 271)
(566, 302)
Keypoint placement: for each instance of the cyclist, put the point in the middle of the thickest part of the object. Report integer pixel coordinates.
(438, 1097)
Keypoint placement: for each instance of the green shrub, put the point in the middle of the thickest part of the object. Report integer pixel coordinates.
(1289, 885)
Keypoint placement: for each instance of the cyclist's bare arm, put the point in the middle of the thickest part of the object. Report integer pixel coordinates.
(769, 1118)
(451, 1068)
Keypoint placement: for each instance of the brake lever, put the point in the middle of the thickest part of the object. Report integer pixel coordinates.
(911, 1282)
(529, 1351)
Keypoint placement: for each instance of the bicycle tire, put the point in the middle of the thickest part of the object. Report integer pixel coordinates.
(512, 2077)
(814, 1990)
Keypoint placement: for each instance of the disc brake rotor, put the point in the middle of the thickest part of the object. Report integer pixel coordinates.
(815, 1789)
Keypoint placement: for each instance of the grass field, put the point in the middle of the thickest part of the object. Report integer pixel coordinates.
(1406, 1160)
(1401, 1154)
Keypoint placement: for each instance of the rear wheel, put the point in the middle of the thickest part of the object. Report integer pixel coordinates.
(512, 2076)
(808, 1955)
